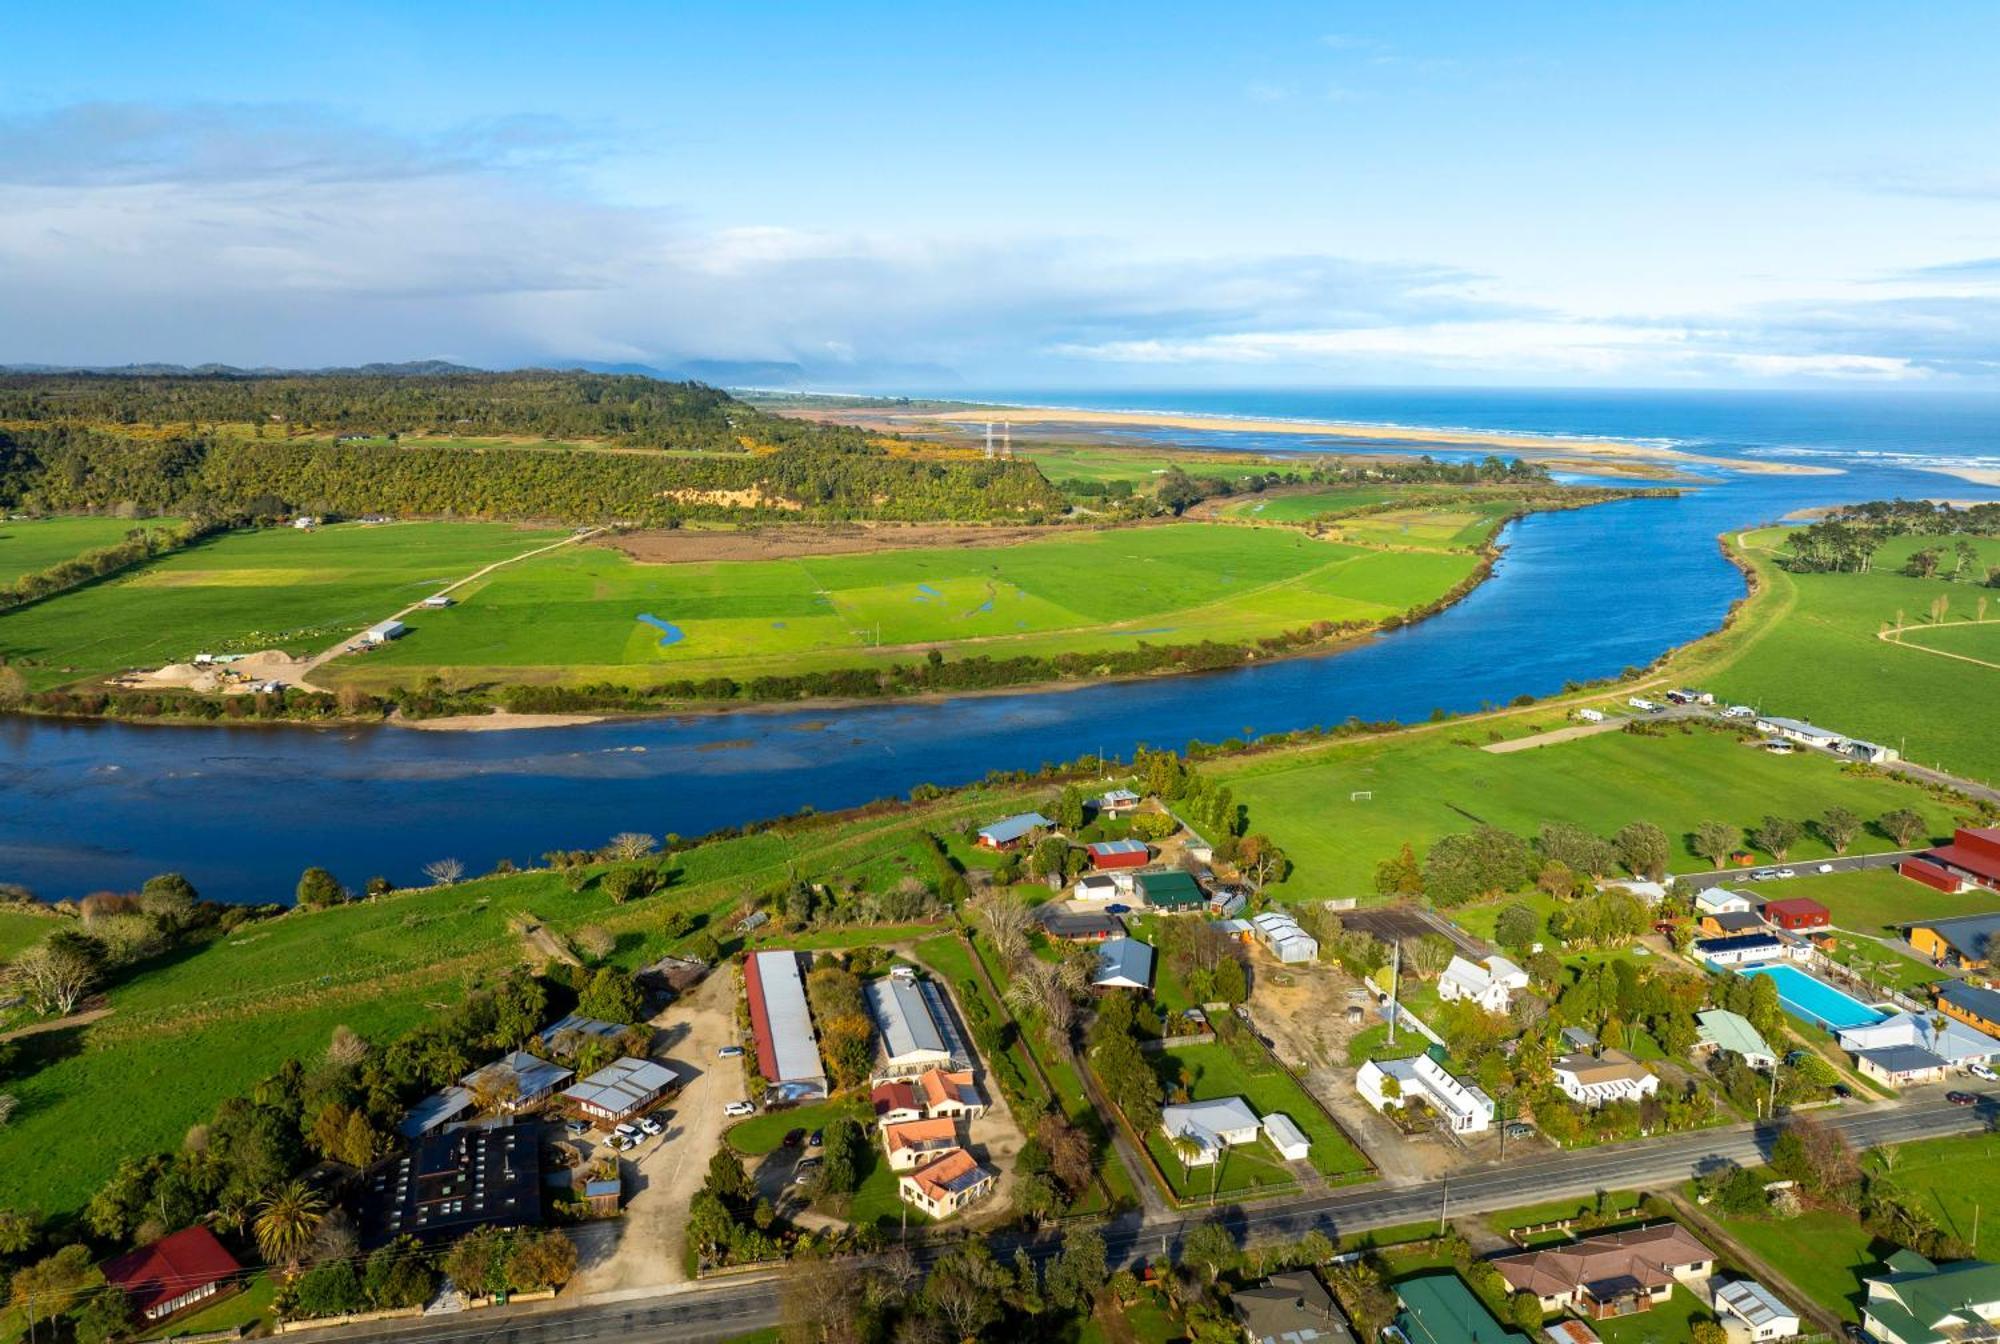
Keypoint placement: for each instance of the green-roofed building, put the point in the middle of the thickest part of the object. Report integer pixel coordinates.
(1171, 890)
(1732, 1034)
(1918, 1302)
(1440, 1309)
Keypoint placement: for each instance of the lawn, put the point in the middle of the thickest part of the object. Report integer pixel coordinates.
(275, 588)
(1607, 1203)
(20, 928)
(1881, 966)
(1307, 505)
(28, 547)
(1959, 1179)
(1435, 782)
(1669, 1322)
(582, 613)
(762, 1134)
(1879, 900)
(1822, 661)
(244, 1309)
(1822, 1253)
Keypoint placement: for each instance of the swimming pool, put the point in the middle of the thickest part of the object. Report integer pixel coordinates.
(1815, 1000)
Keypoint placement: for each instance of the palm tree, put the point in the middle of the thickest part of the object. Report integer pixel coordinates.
(1187, 1148)
(287, 1221)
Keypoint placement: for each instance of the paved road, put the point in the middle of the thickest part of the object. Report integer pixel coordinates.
(1740, 877)
(720, 1309)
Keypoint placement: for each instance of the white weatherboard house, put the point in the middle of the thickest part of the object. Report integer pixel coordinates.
(1763, 1314)
(1465, 1108)
(1227, 1122)
(1490, 986)
(1611, 1076)
(1956, 1044)
(1798, 730)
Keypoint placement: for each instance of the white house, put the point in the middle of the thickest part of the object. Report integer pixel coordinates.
(1722, 901)
(1214, 1125)
(1096, 887)
(1285, 1136)
(1612, 1076)
(1465, 1108)
(1281, 934)
(1742, 949)
(1798, 730)
(1491, 986)
(1763, 1314)
(1956, 1044)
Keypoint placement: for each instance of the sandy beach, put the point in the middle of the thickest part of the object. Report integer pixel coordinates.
(1534, 447)
(1977, 475)
(499, 721)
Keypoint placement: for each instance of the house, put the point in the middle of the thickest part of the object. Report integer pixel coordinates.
(1491, 984)
(1226, 1122)
(1117, 803)
(1901, 1065)
(1972, 859)
(439, 601)
(1009, 832)
(1579, 1038)
(1170, 889)
(515, 1081)
(1283, 938)
(1964, 943)
(450, 1184)
(916, 1027)
(1799, 731)
(1720, 1030)
(787, 1048)
(1073, 927)
(1976, 1007)
(435, 1112)
(1648, 893)
(1123, 963)
(1795, 914)
(1440, 1309)
(1290, 1308)
(1721, 901)
(1285, 1136)
(1920, 1302)
(950, 1093)
(1729, 923)
(1741, 949)
(174, 1273)
(1614, 1274)
(1613, 1075)
(384, 631)
(1465, 1108)
(1096, 887)
(947, 1185)
(1956, 1044)
(1763, 1314)
(895, 1102)
(915, 1142)
(564, 1036)
(1105, 854)
(622, 1089)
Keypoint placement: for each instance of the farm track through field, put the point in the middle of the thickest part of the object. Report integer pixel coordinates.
(1893, 635)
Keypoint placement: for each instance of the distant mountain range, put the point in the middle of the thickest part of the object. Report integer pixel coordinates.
(757, 373)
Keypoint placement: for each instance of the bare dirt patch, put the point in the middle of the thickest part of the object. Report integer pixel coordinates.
(687, 545)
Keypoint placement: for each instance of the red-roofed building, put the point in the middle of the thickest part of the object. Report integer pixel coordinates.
(1972, 859)
(1795, 913)
(1119, 854)
(947, 1185)
(896, 1102)
(174, 1273)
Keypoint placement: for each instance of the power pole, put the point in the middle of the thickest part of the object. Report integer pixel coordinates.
(1444, 1207)
(1395, 980)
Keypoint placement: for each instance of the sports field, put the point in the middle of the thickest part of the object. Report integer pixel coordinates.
(31, 546)
(1820, 657)
(592, 612)
(277, 588)
(1427, 784)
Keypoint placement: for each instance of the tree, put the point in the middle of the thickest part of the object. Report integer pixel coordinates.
(57, 973)
(169, 900)
(476, 1262)
(444, 872)
(1526, 1310)
(1707, 1332)
(1006, 921)
(630, 846)
(1427, 956)
(631, 882)
(1776, 836)
(50, 1287)
(1642, 848)
(1515, 927)
(398, 1275)
(106, 1316)
(1838, 827)
(1259, 859)
(612, 995)
(964, 1288)
(595, 941)
(286, 1222)
(1466, 867)
(1903, 826)
(319, 889)
(1716, 841)
(1400, 876)
(1081, 1269)
(331, 1289)
(540, 1258)
(1211, 1247)
(1069, 808)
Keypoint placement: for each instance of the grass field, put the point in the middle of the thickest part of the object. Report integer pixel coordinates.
(1821, 659)
(1140, 466)
(1309, 505)
(582, 613)
(244, 591)
(1428, 784)
(1669, 1322)
(32, 546)
(20, 928)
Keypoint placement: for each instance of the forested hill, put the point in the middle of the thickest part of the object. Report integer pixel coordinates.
(626, 409)
(574, 447)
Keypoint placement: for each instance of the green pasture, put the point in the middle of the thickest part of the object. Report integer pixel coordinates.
(29, 546)
(23, 927)
(1429, 529)
(1140, 466)
(1306, 506)
(575, 613)
(1819, 657)
(1432, 783)
(275, 588)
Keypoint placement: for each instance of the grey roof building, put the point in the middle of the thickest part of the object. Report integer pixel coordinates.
(529, 1078)
(1124, 963)
(622, 1088)
(1290, 1307)
(916, 1027)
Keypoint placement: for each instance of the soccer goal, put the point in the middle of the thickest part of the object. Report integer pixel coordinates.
(1361, 796)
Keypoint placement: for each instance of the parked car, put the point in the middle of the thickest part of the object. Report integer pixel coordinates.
(626, 1131)
(1824, 868)
(795, 1137)
(1763, 874)
(619, 1143)
(1961, 1098)
(1117, 909)
(1518, 1129)
(1982, 1071)
(730, 1052)
(651, 1126)
(1785, 872)
(806, 1174)
(577, 1128)
(739, 1108)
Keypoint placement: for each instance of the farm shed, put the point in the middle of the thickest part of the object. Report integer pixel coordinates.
(621, 1089)
(787, 1049)
(1119, 854)
(1170, 889)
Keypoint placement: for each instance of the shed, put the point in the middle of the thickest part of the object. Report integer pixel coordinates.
(1170, 889)
(602, 1195)
(621, 1089)
(384, 631)
(1119, 854)
(1117, 802)
(439, 601)
(1011, 831)
(787, 1048)
(1290, 1141)
(1123, 963)
(1797, 912)
(434, 1112)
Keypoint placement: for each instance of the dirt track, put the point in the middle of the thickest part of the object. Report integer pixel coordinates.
(688, 545)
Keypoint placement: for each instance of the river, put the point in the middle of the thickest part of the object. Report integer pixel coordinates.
(1576, 595)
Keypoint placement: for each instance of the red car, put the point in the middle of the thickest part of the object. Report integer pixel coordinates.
(1961, 1098)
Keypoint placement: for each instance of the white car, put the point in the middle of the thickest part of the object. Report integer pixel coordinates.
(1982, 1071)
(619, 1143)
(1825, 868)
(626, 1131)
(1786, 872)
(1763, 875)
(730, 1052)
(739, 1108)
(651, 1126)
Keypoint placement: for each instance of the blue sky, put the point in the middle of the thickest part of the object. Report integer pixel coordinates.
(1064, 196)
